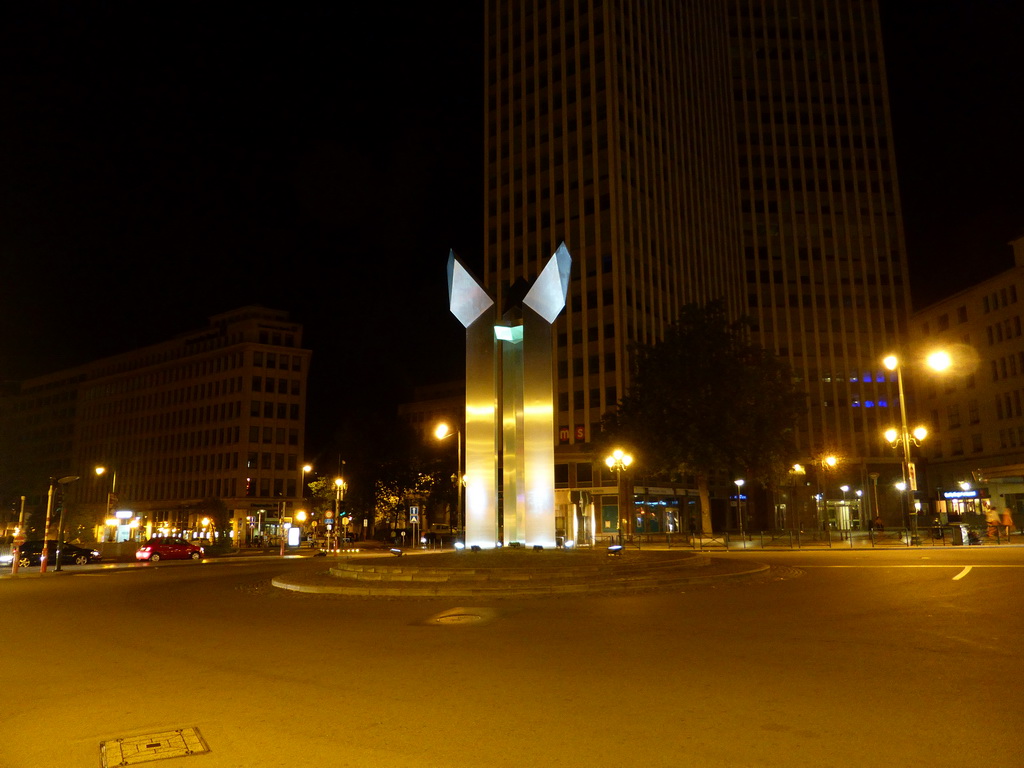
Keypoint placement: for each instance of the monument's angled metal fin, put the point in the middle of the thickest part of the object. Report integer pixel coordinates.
(547, 296)
(466, 297)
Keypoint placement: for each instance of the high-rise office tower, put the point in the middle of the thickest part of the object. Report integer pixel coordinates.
(608, 126)
(688, 151)
(822, 231)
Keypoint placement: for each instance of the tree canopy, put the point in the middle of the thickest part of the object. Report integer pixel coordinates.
(707, 399)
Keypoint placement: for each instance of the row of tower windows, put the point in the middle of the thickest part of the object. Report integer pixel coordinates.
(822, 162)
(1007, 366)
(269, 410)
(1006, 330)
(1001, 298)
(809, 139)
(206, 390)
(276, 435)
(802, 184)
(578, 401)
(593, 365)
(821, 301)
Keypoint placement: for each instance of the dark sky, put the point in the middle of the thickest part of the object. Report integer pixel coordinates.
(162, 162)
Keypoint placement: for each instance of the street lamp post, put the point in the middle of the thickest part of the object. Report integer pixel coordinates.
(46, 529)
(617, 463)
(19, 538)
(443, 431)
(828, 462)
(903, 437)
(339, 495)
(739, 507)
(795, 472)
(108, 511)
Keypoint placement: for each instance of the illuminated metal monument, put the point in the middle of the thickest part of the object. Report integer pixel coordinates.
(509, 403)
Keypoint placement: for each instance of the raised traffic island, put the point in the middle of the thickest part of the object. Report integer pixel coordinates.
(510, 572)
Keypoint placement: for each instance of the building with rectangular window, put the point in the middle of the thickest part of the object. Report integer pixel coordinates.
(685, 152)
(211, 422)
(975, 412)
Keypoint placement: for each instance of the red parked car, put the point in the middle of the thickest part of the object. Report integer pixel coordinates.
(168, 548)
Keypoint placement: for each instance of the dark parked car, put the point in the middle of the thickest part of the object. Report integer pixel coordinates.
(31, 553)
(168, 548)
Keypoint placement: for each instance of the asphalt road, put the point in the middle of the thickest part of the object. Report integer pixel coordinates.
(874, 658)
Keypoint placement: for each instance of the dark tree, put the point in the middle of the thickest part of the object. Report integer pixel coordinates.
(706, 399)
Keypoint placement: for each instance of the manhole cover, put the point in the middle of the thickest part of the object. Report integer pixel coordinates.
(132, 750)
(463, 614)
(458, 618)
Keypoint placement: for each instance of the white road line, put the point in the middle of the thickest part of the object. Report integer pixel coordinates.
(964, 572)
(915, 565)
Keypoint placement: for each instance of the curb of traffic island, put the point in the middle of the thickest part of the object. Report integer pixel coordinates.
(363, 579)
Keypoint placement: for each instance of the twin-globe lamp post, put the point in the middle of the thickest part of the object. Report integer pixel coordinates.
(830, 461)
(617, 462)
(938, 361)
(441, 432)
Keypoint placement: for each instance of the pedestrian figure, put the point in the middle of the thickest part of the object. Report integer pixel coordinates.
(991, 522)
(878, 524)
(1006, 522)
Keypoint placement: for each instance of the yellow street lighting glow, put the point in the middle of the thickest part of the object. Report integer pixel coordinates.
(891, 362)
(939, 360)
(831, 461)
(891, 434)
(920, 433)
(339, 482)
(100, 470)
(307, 468)
(619, 458)
(442, 431)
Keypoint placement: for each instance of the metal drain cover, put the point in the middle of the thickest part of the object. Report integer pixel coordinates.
(458, 618)
(132, 750)
(462, 615)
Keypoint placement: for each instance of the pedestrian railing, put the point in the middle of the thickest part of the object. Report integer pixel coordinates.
(847, 538)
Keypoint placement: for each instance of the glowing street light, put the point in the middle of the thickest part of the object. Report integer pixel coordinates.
(939, 360)
(618, 461)
(827, 462)
(442, 432)
(111, 504)
(739, 507)
(339, 496)
(904, 437)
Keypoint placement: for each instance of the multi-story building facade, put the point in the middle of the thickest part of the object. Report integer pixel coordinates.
(693, 151)
(975, 412)
(824, 252)
(211, 422)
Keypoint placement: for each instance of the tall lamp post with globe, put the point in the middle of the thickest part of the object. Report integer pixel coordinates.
(617, 462)
(444, 431)
(903, 437)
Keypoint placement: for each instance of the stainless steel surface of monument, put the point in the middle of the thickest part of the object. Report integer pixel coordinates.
(509, 404)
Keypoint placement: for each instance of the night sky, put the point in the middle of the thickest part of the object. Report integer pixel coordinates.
(165, 162)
